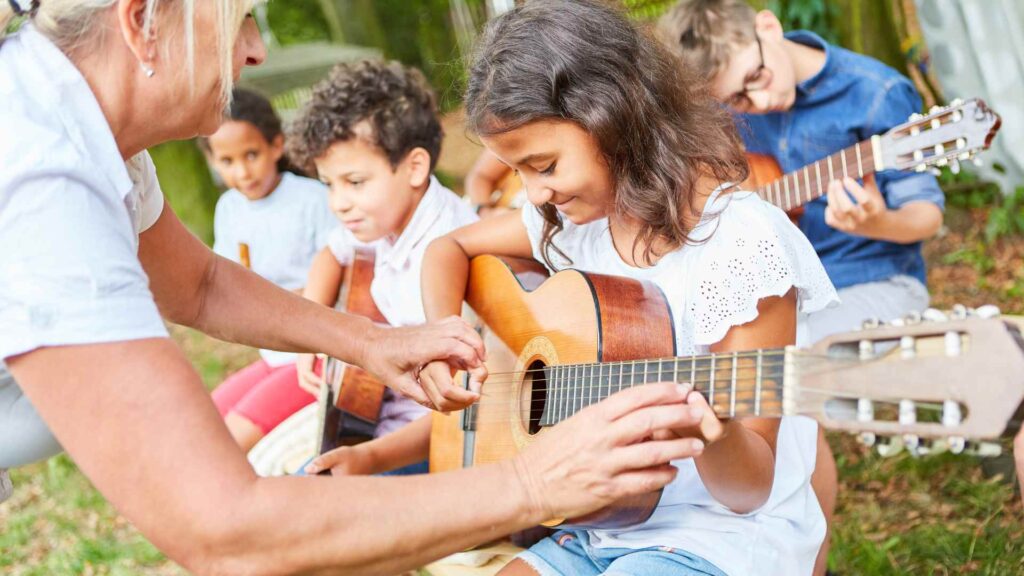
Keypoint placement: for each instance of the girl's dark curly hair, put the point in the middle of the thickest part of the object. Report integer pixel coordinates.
(395, 101)
(655, 122)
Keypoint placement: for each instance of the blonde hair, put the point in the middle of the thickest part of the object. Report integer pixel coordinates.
(70, 25)
(705, 32)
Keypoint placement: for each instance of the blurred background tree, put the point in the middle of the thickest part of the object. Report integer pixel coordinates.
(435, 35)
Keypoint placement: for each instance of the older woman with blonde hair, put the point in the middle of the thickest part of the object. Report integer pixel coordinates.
(91, 258)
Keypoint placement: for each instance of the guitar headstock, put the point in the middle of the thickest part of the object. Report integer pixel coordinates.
(944, 137)
(952, 377)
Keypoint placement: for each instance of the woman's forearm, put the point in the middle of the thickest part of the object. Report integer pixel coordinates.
(191, 492)
(273, 318)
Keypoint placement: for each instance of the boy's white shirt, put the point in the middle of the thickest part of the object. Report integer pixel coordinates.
(284, 232)
(745, 249)
(396, 285)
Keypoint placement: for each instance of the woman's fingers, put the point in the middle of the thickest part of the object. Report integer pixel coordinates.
(645, 422)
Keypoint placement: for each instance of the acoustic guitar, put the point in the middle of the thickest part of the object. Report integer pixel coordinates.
(558, 345)
(945, 137)
(350, 397)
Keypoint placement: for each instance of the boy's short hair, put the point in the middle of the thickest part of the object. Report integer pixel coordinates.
(393, 100)
(705, 32)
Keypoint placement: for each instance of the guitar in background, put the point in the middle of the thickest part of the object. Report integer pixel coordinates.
(945, 137)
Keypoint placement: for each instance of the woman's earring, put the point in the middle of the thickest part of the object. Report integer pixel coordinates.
(149, 72)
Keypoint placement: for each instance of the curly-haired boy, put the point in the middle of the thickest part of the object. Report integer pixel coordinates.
(372, 135)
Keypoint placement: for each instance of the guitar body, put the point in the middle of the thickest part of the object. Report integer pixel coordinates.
(763, 171)
(574, 317)
(351, 398)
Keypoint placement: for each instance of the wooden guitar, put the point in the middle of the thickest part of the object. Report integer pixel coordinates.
(944, 137)
(558, 345)
(350, 398)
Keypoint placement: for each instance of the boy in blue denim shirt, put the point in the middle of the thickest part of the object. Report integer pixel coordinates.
(799, 99)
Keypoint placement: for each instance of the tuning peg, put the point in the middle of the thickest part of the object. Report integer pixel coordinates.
(934, 315)
(957, 444)
(987, 311)
(934, 109)
(871, 324)
(958, 312)
(913, 318)
(867, 439)
(983, 449)
(915, 117)
(954, 166)
(891, 447)
(921, 168)
(936, 172)
(965, 156)
(978, 161)
(956, 102)
(957, 115)
(913, 445)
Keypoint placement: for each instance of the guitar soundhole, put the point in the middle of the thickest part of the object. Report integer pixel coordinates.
(538, 395)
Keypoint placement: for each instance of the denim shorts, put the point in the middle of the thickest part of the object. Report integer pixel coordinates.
(568, 552)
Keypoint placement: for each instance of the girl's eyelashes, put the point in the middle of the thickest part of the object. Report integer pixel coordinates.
(549, 170)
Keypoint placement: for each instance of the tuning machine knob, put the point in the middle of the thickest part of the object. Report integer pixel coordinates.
(957, 444)
(934, 315)
(890, 447)
(987, 311)
(983, 449)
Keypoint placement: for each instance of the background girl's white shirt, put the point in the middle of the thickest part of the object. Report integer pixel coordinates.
(396, 280)
(745, 250)
(284, 232)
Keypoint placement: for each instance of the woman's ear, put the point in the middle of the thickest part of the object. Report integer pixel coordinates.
(131, 16)
(418, 164)
(768, 26)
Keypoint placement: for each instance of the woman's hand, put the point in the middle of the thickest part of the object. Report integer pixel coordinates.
(606, 452)
(396, 355)
(308, 378)
(343, 461)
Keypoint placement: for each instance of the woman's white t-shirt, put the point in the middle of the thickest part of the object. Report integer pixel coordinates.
(71, 210)
(744, 250)
(283, 232)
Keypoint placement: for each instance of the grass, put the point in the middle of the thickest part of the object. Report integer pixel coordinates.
(934, 515)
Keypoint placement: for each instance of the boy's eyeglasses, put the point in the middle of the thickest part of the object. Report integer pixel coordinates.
(757, 80)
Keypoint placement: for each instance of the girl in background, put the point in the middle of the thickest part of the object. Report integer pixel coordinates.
(273, 222)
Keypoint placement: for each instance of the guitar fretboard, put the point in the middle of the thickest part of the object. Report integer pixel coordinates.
(735, 384)
(810, 182)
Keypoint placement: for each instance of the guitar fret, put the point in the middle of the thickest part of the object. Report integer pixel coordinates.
(711, 393)
(785, 185)
(831, 172)
(860, 166)
(817, 172)
(693, 372)
(621, 372)
(675, 370)
(807, 184)
(757, 385)
(842, 155)
(732, 395)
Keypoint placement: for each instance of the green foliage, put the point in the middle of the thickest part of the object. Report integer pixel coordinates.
(1007, 217)
(814, 15)
(297, 21)
(187, 185)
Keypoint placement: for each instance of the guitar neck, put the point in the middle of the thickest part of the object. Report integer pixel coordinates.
(801, 186)
(735, 384)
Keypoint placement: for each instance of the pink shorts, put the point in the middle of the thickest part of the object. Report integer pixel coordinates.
(262, 395)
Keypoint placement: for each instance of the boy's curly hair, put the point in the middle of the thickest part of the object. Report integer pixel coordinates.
(394, 100)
